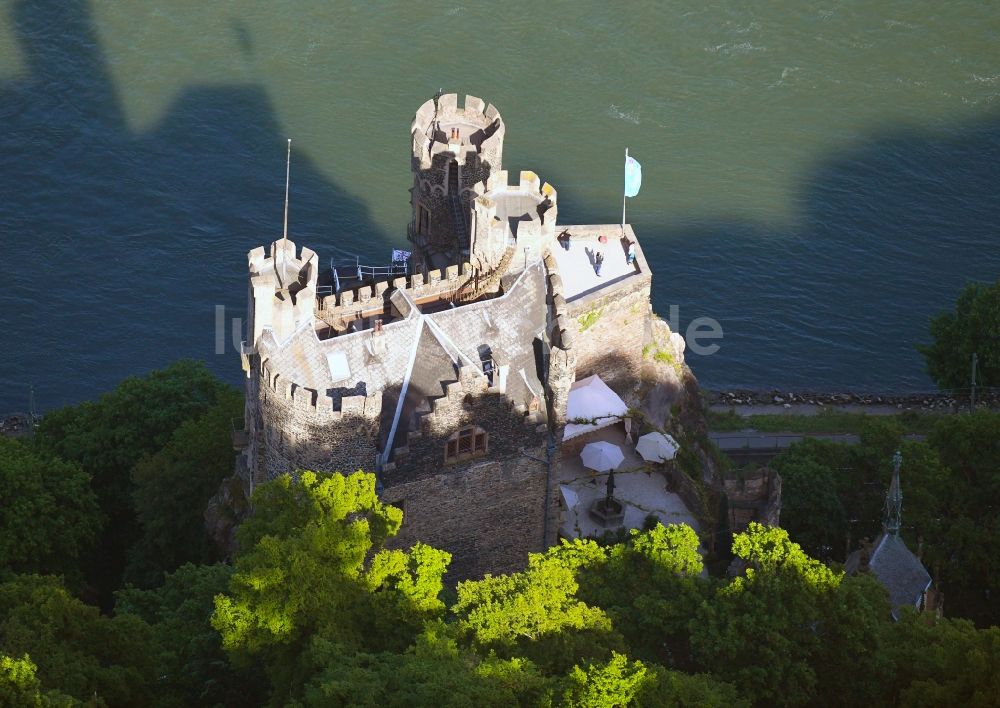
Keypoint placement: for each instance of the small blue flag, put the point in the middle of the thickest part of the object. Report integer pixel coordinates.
(633, 176)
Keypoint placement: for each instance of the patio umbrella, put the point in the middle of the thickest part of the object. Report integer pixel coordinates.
(657, 447)
(602, 456)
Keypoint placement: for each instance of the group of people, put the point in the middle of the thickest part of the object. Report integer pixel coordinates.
(602, 240)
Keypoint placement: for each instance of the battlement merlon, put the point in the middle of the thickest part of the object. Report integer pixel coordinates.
(282, 289)
(528, 182)
(319, 406)
(480, 130)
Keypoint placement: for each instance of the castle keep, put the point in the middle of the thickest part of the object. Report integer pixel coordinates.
(452, 382)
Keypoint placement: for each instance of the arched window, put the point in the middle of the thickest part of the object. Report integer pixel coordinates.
(465, 444)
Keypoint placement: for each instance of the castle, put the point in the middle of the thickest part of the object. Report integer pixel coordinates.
(453, 382)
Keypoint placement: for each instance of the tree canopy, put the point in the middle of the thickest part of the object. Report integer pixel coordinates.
(951, 494)
(315, 566)
(48, 514)
(77, 650)
(109, 436)
(172, 487)
(973, 328)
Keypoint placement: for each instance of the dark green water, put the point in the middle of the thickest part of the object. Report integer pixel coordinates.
(819, 178)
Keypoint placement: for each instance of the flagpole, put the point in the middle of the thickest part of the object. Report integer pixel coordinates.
(279, 263)
(288, 172)
(623, 192)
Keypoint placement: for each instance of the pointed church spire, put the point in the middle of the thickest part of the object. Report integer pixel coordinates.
(892, 521)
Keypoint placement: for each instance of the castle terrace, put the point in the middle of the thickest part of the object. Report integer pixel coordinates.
(576, 265)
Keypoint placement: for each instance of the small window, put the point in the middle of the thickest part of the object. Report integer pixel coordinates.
(423, 219)
(465, 444)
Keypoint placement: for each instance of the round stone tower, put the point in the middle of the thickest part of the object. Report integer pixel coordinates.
(455, 150)
(518, 217)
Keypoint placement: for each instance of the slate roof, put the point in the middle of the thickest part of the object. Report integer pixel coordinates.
(508, 325)
(902, 574)
(377, 362)
(433, 367)
(504, 328)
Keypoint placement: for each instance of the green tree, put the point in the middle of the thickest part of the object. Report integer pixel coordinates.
(971, 329)
(536, 614)
(616, 682)
(435, 671)
(764, 632)
(313, 564)
(20, 687)
(964, 543)
(191, 666)
(650, 587)
(944, 662)
(78, 651)
(172, 488)
(48, 513)
(810, 507)
(109, 436)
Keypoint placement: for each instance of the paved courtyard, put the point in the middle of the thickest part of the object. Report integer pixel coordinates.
(638, 485)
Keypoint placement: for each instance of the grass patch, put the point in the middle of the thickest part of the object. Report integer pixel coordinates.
(826, 421)
(661, 356)
(589, 319)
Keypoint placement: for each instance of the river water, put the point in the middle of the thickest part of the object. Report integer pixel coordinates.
(820, 178)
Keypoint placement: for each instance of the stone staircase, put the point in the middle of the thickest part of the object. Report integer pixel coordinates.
(460, 218)
(472, 289)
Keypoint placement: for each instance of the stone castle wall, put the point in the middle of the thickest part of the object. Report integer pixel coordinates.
(369, 300)
(489, 515)
(300, 429)
(609, 332)
(488, 511)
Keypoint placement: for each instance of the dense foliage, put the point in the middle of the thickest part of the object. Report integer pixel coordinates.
(321, 608)
(951, 501)
(973, 328)
(107, 438)
(49, 516)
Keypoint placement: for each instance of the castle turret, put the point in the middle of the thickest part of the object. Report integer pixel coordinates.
(282, 290)
(455, 150)
(520, 216)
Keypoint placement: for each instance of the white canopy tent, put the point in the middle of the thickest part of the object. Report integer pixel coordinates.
(657, 447)
(591, 400)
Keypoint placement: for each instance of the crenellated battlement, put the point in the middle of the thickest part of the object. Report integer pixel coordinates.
(282, 289)
(562, 334)
(519, 215)
(375, 300)
(528, 184)
(441, 126)
(321, 405)
(447, 412)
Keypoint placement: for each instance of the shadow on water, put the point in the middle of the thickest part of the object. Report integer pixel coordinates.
(886, 236)
(117, 246)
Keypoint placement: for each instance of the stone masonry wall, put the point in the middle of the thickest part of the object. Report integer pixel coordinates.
(488, 511)
(467, 402)
(488, 515)
(295, 434)
(609, 331)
